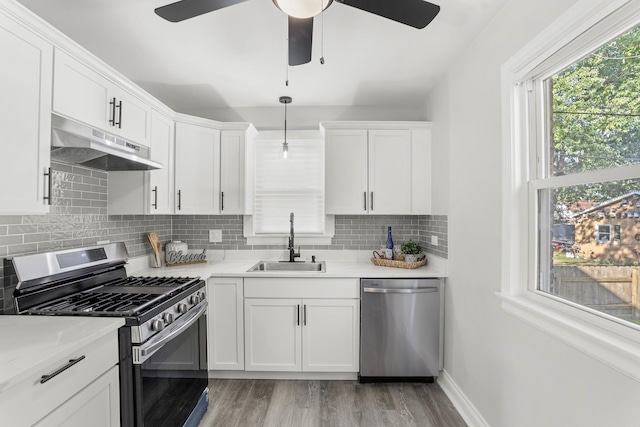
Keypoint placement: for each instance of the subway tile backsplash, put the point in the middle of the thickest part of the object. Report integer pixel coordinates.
(78, 217)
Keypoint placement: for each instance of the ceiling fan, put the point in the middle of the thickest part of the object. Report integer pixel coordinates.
(415, 13)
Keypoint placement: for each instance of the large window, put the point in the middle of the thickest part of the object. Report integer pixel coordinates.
(572, 188)
(294, 184)
(590, 128)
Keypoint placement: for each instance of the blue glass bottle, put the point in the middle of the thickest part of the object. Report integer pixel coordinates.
(389, 239)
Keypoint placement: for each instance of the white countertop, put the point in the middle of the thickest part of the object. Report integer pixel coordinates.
(343, 265)
(30, 343)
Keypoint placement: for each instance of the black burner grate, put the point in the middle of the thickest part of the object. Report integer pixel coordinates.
(128, 296)
(99, 304)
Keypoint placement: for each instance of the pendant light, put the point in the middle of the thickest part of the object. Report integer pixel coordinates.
(285, 146)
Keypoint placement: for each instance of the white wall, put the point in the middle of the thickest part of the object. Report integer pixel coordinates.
(513, 374)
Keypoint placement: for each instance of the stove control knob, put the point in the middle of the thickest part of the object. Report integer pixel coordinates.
(194, 299)
(168, 318)
(182, 308)
(202, 296)
(157, 325)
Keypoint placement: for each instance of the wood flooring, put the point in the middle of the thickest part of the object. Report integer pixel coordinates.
(283, 403)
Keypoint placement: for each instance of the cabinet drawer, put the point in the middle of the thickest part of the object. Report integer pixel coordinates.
(301, 287)
(31, 400)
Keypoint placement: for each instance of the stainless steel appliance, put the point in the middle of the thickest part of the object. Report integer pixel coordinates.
(79, 144)
(163, 366)
(399, 329)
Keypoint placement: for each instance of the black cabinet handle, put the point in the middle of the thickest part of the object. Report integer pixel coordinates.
(119, 122)
(298, 311)
(365, 200)
(304, 315)
(372, 200)
(49, 180)
(222, 200)
(112, 120)
(72, 362)
(155, 197)
(179, 199)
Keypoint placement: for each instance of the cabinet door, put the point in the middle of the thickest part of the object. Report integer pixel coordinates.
(330, 335)
(97, 405)
(25, 108)
(346, 172)
(390, 172)
(162, 149)
(132, 116)
(197, 160)
(80, 93)
(232, 169)
(272, 335)
(225, 324)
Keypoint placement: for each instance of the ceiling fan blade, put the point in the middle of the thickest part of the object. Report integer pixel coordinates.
(300, 38)
(185, 9)
(415, 13)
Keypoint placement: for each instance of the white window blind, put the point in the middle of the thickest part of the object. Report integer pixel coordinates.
(295, 184)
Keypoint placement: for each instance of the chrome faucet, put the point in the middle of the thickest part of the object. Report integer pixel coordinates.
(292, 251)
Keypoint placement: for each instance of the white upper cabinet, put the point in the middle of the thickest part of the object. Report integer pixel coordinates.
(197, 173)
(82, 94)
(25, 108)
(346, 166)
(232, 172)
(381, 168)
(147, 192)
(390, 181)
(160, 196)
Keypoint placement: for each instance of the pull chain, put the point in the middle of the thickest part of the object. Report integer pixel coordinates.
(321, 33)
(286, 80)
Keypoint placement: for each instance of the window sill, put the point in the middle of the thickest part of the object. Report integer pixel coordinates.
(610, 344)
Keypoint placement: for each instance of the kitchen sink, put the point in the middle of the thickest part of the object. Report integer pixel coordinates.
(298, 267)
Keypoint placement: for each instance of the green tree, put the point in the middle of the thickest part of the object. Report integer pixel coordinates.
(596, 117)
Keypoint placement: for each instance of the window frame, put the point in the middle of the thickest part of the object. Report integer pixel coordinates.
(584, 27)
(279, 239)
(598, 233)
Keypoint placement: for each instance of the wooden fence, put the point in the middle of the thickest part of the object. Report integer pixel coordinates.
(610, 289)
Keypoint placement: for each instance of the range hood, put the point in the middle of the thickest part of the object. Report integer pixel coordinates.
(79, 144)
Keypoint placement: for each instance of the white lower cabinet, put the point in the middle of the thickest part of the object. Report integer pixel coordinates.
(97, 405)
(81, 388)
(225, 324)
(330, 335)
(316, 332)
(273, 340)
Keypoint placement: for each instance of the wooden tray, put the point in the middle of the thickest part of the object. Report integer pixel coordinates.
(398, 264)
(187, 263)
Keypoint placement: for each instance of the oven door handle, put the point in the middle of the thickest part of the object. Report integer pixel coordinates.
(172, 331)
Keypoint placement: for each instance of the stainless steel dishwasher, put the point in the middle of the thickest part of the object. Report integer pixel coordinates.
(399, 329)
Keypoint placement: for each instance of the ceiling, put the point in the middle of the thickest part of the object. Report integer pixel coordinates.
(236, 57)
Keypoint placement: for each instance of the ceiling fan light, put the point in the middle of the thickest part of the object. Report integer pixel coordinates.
(302, 9)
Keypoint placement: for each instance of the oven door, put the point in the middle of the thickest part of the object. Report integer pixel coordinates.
(170, 373)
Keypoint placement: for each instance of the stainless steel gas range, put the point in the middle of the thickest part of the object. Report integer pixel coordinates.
(162, 347)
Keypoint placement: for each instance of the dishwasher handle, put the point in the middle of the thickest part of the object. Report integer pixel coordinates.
(399, 290)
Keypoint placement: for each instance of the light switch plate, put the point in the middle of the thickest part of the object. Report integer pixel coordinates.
(215, 236)
(434, 240)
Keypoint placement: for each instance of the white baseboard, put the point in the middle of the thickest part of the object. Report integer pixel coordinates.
(465, 408)
(261, 375)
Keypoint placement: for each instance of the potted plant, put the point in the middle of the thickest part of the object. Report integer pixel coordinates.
(411, 250)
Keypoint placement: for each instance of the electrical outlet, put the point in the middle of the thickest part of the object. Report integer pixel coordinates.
(215, 236)
(434, 240)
